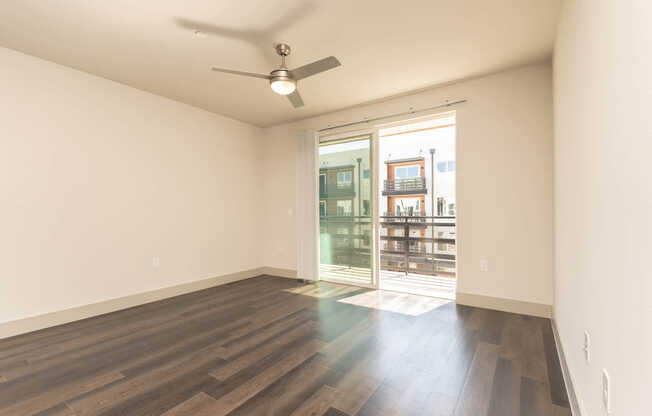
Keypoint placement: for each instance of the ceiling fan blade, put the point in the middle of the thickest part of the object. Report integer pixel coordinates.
(295, 99)
(246, 74)
(315, 68)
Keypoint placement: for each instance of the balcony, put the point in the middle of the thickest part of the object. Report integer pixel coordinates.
(418, 244)
(418, 253)
(345, 248)
(331, 190)
(409, 186)
(401, 217)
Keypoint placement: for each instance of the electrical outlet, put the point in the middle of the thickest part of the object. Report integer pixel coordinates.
(587, 347)
(156, 262)
(606, 391)
(484, 265)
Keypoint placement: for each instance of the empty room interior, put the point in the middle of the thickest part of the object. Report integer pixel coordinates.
(325, 208)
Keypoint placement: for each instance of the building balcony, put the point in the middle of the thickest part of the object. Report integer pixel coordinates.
(417, 243)
(336, 191)
(410, 186)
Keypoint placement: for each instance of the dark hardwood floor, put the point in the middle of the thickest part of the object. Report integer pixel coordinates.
(270, 346)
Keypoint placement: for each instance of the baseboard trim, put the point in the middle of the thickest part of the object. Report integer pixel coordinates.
(275, 271)
(504, 304)
(34, 323)
(576, 410)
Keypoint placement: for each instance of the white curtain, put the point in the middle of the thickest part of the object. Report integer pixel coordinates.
(306, 206)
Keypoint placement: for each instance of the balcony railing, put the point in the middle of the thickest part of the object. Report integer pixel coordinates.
(409, 242)
(405, 186)
(416, 243)
(409, 215)
(345, 240)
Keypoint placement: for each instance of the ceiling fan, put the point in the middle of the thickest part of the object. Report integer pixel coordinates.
(284, 81)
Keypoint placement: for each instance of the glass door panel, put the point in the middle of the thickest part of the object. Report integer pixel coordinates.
(345, 211)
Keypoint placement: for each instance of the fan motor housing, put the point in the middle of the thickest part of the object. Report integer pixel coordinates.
(280, 75)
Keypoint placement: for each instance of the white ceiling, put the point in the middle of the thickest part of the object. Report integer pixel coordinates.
(386, 47)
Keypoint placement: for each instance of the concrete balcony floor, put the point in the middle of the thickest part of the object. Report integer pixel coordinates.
(416, 284)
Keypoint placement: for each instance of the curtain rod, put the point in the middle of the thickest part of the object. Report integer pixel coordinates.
(369, 120)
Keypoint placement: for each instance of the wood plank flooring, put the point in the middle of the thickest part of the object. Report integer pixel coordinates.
(272, 346)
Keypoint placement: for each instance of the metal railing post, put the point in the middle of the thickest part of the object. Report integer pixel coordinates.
(406, 245)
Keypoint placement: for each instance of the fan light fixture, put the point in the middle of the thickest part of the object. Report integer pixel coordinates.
(283, 87)
(281, 80)
(284, 81)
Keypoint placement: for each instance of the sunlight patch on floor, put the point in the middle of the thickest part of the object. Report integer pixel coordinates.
(385, 300)
(403, 303)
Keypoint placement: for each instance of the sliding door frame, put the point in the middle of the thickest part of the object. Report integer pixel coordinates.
(340, 134)
(428, 116)
(373, 176)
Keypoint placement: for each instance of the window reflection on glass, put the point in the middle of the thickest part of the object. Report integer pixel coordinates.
(345, 239)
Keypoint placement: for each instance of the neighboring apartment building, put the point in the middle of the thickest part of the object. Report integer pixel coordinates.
(416, 244)
(408, 184)
(345, 211)
(345, 208)
(405, 187)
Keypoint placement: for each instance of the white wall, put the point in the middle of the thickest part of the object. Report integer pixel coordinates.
(96, 178)
(504, 180)
(603, 198)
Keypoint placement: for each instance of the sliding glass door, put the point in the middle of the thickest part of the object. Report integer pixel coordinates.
(346, 210)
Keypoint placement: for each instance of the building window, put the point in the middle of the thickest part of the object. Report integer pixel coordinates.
(344, 208)
(404, 172)
(342, 243)
(344, 179)
(322, 182)
(407, 206)
(448, 166)
(366, 208)
(322, 208)
(366, 173)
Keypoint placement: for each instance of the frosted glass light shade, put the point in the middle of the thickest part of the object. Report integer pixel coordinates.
(283, 87)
